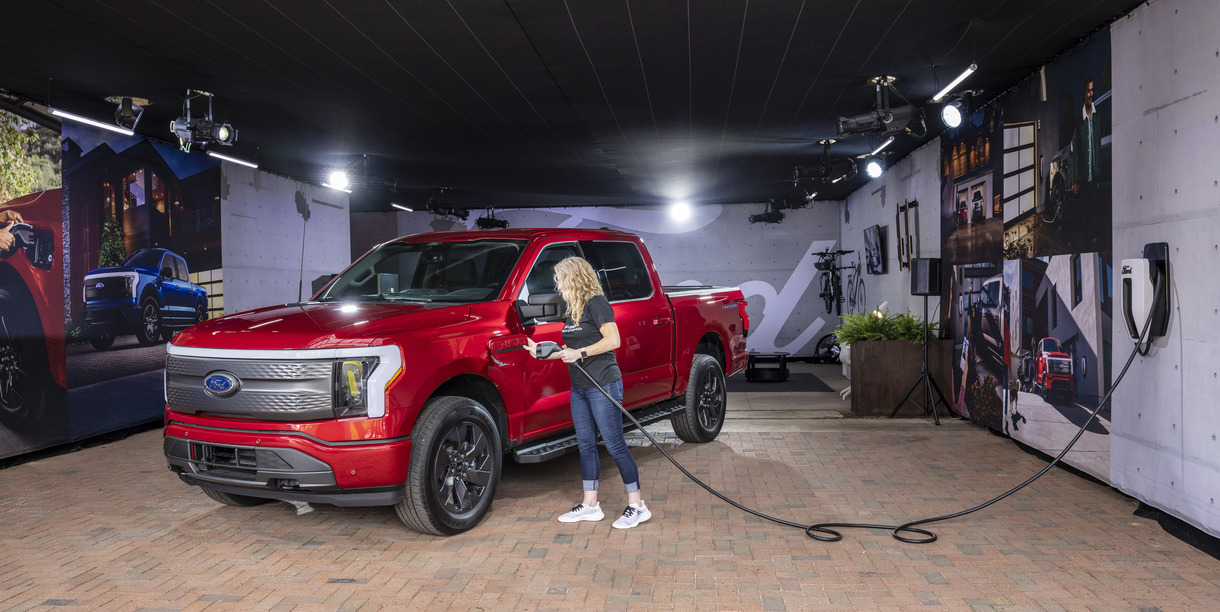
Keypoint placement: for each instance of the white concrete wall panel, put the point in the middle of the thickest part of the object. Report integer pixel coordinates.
(1167, 189)
(270, 252)
(915, 178)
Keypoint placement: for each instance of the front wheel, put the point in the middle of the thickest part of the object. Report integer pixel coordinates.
(706, 402)
(102, 342)
(150, 323)
(455, 467)
(23, 360)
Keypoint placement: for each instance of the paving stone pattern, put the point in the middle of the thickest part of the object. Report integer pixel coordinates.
(109, 528)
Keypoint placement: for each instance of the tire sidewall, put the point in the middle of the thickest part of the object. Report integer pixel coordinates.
(438, 418)
(141, 333)
(701, 367)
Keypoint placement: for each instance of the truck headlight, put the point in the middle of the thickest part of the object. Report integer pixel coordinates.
(351, 378)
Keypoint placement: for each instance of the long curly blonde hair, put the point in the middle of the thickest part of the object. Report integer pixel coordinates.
(578, 284)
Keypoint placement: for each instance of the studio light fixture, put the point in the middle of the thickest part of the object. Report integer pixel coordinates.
(873, 166)
(951, 114)
(829, 169)
(961, 77)
(127, 114)
(203, 131)
(489, 221)
(235, 160)
(97, 124)
(338, 180)
(402, 207)
(884, 119)
(770, 216)
(679, 211)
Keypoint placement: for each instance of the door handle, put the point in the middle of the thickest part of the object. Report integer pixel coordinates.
(662, 321)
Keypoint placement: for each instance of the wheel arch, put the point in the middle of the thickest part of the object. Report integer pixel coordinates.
(481, 390)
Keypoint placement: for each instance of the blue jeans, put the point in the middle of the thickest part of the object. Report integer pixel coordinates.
(591, 413)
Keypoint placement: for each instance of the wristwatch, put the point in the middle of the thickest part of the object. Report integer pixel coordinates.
(584, 354)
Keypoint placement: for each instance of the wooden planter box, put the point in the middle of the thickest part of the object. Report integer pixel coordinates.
(882, 372)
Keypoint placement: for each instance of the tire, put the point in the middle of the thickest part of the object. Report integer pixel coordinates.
(455, 467)
(150, 323)
(1055, 205)
(201, 313)
(827, 350)
(230, 499)
(827, 293)
(24, 369)
(102, 342)
(706, 402)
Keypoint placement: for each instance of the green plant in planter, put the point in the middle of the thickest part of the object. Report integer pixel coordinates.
(882, 325)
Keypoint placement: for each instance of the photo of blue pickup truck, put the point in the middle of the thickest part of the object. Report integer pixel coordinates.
(150, 294)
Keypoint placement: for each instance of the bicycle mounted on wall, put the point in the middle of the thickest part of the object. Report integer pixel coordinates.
(827, 350)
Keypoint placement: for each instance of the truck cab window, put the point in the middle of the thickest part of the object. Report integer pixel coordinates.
(464, 272)
(621, 270)
(541, 278)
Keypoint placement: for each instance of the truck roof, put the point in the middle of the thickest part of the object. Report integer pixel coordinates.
(527, 233)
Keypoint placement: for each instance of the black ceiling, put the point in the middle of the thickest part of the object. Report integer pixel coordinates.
(517, 103)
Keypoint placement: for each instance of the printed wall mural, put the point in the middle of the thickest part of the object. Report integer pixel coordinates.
(1026, 215)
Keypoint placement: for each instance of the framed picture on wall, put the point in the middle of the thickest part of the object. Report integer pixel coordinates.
(874, 249)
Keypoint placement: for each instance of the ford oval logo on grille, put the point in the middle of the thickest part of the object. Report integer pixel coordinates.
(99, 285)
(221, 384)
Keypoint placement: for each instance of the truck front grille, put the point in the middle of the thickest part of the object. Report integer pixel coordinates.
(112, 288)
(266, 390)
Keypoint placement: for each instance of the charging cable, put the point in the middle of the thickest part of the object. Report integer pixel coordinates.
(825, 532)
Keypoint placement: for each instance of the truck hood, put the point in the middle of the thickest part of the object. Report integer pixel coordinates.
(318, 325)
(120, 269)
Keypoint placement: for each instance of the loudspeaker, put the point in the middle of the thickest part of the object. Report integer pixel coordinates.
(925, 276)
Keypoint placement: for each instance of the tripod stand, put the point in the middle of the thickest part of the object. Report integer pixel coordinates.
(925, 377)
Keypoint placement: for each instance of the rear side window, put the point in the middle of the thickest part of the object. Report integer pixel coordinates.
(620, 268)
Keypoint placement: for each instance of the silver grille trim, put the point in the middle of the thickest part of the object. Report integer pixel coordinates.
(270, 390)
(289, 384)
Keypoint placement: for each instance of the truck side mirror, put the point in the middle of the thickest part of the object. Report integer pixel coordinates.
(167, 272)
(540, 308)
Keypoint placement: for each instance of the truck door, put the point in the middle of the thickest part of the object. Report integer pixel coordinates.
(546, 382)
(645, 320)
(177, 289)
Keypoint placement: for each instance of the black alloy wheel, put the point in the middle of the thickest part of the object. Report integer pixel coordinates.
(102, 342)
(455, 467)
(706, 402)
(150, 323)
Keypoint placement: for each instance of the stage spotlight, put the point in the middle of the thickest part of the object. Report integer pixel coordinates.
(679, 211)
(886, 121)
(204, 131)
(873, 166)
(338, 180)
(951, 114)
(491, 223)
(129, 111)
(771, 216)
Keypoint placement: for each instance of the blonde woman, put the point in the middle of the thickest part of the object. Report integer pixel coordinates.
(589, 338)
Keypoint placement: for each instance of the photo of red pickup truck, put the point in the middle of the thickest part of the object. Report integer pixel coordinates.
(404, 381)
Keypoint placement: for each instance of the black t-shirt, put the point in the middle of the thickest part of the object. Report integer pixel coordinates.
(604, 367)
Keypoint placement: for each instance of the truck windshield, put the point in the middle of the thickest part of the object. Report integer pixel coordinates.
(462, 272)
(144, 258)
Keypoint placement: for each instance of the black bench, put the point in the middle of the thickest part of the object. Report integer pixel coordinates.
(776, 369)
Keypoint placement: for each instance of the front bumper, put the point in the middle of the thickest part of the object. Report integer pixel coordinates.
(289, 466)
(113, 319)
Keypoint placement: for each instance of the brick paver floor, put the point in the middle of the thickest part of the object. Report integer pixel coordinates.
(109, 528)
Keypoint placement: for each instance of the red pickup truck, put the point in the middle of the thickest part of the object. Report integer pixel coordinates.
(404, 381)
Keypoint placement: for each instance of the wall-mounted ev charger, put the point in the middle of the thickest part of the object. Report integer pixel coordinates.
(1145, 284)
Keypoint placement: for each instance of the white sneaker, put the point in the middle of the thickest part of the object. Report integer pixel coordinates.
(581, 512)
(632, 516)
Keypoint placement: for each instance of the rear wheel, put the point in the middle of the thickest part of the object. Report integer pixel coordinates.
(23, 359)
(230, 499)
(150, 323)
(455, 467)
(827, 350)
(706, 402)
